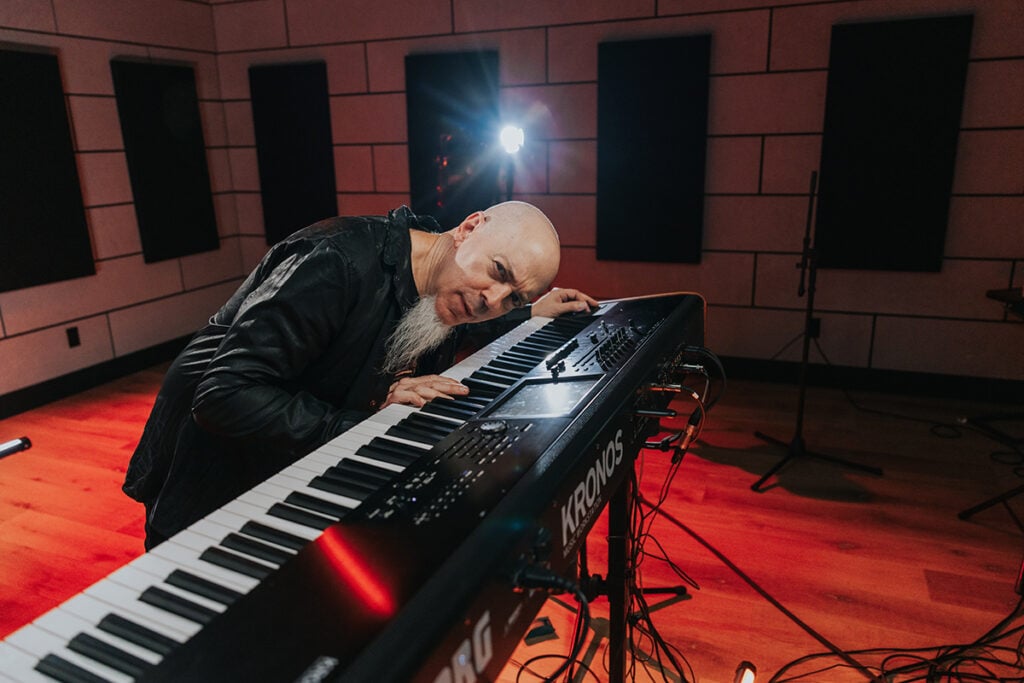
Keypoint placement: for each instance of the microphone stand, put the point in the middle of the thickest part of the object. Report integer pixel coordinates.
(14, 445)
(797, 448)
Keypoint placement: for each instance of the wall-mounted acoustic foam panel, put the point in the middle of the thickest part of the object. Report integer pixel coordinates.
(892, 115)
(454, 157)
(291, 111)
(652, 121)
(43, 232)
(163, 142)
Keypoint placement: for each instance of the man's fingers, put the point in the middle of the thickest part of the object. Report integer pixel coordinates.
(417, 391)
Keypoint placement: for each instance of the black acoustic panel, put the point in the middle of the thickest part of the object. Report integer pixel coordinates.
(43, 233)
(454, 159)
(163, 142)
(892, 116)
(652, 122)
(291, 111)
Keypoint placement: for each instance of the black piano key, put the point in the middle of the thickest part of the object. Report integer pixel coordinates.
(204, 587)
(340, 488)
(511, 366)
(364, 471)
(105, 653)
(175, 604)
(429, 424)
(266, 533)
(507, 375)
(325, 507)
(299, 517)
(482, 388)
(366, 482)
(447, 426)
(64, 671)
(493, 378)
(138, 634)
(570, 325)
(235, 563)
(390, 452)
(523, 355)
(545, 337)
(539, 349)
(257, 549)
(477, 403)
(414, 432)
(522, 359)
(443, 407)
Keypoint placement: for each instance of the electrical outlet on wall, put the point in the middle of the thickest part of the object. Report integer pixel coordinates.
(73, 338)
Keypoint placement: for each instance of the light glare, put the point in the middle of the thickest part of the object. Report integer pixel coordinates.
(512, 138)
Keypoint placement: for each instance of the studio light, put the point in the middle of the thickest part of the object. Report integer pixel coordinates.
(512, 138)
(745, 673)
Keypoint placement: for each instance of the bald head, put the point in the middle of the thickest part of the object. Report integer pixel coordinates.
(523, 216)
(494, 260)
(522, 230)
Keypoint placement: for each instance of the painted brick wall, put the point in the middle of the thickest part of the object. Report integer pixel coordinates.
(128, 305)
(768, 82)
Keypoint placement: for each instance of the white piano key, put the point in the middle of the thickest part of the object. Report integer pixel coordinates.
(217, 532)
(188, 560)
(138, 581)
(259, 514)
(388, 420)
(123, 600)
(118, 593)
(289, 479)
(93, 610)
(344, 501)
(185, 555)
(66, 626)
(40, 643)
(19, 665)
(373, 429)
(257, 496)
(161, 568)
(189, 539)
(267, 520)
(379, 463)
(310, 466)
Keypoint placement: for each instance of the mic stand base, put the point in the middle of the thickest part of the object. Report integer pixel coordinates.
(796, 449)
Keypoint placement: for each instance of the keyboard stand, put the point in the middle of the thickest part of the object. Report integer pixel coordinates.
(983, 423)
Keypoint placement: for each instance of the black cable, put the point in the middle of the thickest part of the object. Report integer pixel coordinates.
(762, 592)
(525, 666)
(947, 663)
(532, 576)
(710, 355)
(938, 428)
(640, 528)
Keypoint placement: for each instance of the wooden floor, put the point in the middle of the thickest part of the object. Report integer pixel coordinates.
(866, 562)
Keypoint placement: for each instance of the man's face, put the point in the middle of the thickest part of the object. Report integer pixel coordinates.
(493, 271)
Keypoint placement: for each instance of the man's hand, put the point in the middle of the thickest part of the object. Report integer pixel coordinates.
(561, 301)
(416, 391)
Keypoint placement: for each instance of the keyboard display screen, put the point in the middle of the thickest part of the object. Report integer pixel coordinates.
(544, 399)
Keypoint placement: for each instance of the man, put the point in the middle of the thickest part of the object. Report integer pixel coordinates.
(338, 320)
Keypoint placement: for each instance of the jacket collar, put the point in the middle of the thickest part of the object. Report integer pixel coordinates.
(397, 251)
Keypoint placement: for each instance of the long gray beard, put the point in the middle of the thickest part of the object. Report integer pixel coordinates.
(418, 332)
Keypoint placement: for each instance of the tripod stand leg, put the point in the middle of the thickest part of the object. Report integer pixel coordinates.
(796, 449)
(793, 449)
(969, 512)
(845, 463)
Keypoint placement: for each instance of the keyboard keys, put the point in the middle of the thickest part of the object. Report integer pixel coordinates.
(119, 628)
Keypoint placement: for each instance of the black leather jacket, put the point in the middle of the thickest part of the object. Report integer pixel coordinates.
(289, 362)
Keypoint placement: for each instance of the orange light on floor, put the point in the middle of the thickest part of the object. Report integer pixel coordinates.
(354, 572)
(745, 673)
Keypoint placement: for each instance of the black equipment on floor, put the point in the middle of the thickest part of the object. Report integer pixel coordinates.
(797, 449)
